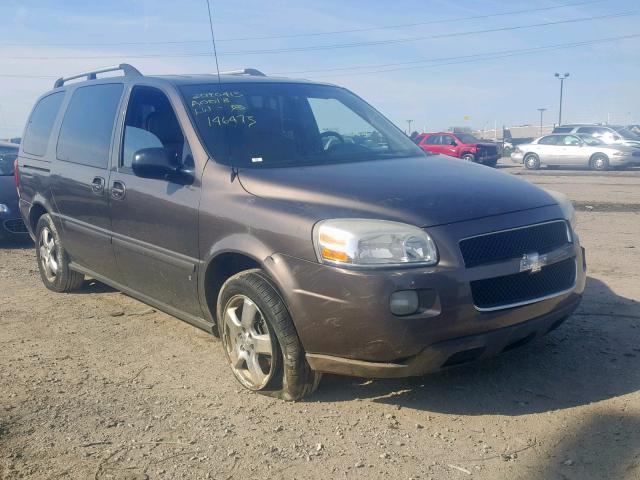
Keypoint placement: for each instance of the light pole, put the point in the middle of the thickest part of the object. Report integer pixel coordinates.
(409, 123)
(561, 77)
(541, 110)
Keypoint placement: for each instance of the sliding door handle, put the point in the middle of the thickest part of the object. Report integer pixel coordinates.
(97, 185)
(118, 190)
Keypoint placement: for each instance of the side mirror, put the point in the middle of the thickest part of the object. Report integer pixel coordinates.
(154, 163)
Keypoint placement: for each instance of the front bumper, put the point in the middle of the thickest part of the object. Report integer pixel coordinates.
(517, 157)
(448, 353)
(345, 324)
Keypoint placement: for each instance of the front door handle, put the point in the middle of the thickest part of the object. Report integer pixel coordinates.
(118, 190)
(97, 185)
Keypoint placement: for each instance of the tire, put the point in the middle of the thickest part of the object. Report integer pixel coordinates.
(469, 157)
(492, 163)
(599, 162)
(278, 369)
(53, 261)
(531, 161)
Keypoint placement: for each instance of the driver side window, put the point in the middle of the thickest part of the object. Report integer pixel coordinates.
(151, 123)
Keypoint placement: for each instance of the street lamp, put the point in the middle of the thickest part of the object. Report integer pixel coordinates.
(541, 110)
(409, 122)
(561, 77)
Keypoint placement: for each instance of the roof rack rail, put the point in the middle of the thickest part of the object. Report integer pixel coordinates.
(245, 71)
(125, 67)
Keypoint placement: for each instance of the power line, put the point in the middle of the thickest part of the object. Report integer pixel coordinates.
(312, 34)
(497, 55)
(434, 62)
(331, 46)
(462, 57)
(428, 37)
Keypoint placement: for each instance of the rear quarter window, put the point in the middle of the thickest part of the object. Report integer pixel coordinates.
(36, 136)
(85, 134)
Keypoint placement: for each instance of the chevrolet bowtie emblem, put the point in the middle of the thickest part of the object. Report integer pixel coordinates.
(532, 262)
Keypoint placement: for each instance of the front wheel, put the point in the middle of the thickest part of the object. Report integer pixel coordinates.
(599, 162)
(532, 162)
(469, 157)
(259, 339)
(53, 261)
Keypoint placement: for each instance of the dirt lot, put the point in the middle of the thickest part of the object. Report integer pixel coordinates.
(96, 385)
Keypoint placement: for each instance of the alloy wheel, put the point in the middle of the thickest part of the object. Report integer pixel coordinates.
(599, 163)
(48, 254)
(247, 342)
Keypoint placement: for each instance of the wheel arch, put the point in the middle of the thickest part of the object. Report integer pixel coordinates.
(226, 258)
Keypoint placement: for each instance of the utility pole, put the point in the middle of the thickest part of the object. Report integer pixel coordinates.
(561, 77)
(409, 123)
(541, 110)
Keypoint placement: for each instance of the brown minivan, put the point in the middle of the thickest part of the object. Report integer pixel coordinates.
(293, 220)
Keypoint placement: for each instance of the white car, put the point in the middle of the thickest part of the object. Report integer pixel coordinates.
(574, 150)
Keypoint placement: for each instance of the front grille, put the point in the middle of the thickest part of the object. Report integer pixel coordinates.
(15, 226)
(507, 244)
(524, 287)
(486, 150)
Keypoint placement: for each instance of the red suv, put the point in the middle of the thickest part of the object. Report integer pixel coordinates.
(460, 145)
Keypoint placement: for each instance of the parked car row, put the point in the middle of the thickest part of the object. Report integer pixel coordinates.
(294, 221)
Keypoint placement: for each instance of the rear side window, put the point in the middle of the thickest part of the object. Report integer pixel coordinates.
(591, 130)
(433, 140)
(85, 135)
(550, 140)
(36, 136)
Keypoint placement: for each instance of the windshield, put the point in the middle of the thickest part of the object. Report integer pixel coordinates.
(592, 141)
(282, 124)
(7, 157)
(627, 134)
(467, 138)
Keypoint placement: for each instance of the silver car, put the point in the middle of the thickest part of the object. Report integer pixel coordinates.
(574, 150)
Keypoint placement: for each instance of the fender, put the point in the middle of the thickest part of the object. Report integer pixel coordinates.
(240, 243)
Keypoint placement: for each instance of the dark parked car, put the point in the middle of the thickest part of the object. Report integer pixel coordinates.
(11, 224)
(219, 200)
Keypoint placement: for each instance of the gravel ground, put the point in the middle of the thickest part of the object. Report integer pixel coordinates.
(96, 385)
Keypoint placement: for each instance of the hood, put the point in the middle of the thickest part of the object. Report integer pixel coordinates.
(423, 191)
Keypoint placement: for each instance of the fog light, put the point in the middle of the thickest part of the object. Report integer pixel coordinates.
(4, 208)
(404, 302)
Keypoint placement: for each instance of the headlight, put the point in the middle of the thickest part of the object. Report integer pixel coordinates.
(355, 242)
(565, 204)
(4, 208)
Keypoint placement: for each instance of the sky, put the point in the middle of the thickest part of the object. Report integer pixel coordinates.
(444, 70)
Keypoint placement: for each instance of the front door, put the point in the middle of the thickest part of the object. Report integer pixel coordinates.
(155, 221)
(449, 146)
(79, 177)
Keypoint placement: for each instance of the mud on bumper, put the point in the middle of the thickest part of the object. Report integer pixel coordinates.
(449, 353)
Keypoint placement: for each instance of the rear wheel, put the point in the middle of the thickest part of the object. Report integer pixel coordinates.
(259, 339)
(532, 161)
(53, 261)
(599, 162)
